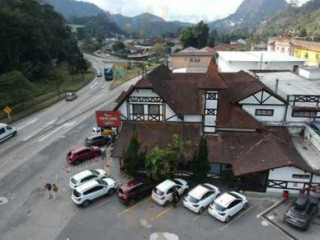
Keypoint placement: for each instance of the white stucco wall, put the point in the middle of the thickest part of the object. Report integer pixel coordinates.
(123, 110)
(278, 113)
(192, 118)
(312, 136)
(144, 93)
(170, 115)
(285, 174)
(236, 66)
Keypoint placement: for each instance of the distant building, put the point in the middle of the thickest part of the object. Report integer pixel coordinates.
(310, 51)
(192, 58)
(256, 60)
(307, 50)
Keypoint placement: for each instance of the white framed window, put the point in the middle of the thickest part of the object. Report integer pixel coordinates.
(264, 112)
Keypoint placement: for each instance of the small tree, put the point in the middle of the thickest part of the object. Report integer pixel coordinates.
(133, 158)
(157, 165)
(200, 163)
(176, 151)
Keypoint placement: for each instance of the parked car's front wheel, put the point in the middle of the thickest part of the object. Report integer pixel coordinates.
(86, 203)
(201, 210)
(245, 206)
(227, 219)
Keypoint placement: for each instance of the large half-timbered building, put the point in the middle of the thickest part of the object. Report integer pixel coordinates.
(231, 109)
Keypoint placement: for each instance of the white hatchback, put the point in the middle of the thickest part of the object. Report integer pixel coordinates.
(200, 197)
(162, 193)
(92, 190)
(227, 205)
(85, 176)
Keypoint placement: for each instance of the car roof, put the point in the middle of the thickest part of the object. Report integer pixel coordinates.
(88, 185)
(199, 191)
(94, 136)
(131, 184)
(225, 199)
(78, 149)
(165, 185)
(82, 174)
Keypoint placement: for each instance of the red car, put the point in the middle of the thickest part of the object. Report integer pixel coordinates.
(79, 154)
(133, 190)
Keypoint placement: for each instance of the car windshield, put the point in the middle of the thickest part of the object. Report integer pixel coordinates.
(192, 199)
(158, 192)
(69, 153)
(73, 180)
(176, 182)
(101, 182)
(219, 207)
(94, 172)
(76, 193)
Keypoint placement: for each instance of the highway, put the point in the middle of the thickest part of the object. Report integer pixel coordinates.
(37, 155)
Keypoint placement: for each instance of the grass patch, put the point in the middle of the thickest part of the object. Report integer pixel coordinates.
(129, 73)
(48, 93)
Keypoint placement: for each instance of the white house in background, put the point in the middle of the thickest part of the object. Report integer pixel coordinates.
(236, 61)
(301, 93)
(280, 45)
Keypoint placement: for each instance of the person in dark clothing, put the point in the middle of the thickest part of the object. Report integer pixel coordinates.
(48, 187)
(175, 197)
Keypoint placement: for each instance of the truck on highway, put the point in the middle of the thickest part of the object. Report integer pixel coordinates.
(108, 72)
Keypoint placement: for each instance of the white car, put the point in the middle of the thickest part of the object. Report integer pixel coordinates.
(162, 193)
(6, 132)
(200, 197)
(96, 130)
(85, 176)
(227, 205)
(92, 190)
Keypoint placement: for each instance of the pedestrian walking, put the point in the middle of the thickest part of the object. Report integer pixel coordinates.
(48, 188)
(55, 191)
(103, 152)
(175, 197)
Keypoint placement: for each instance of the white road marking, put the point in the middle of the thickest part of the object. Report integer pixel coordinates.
(94, 85)
(28, 123)
(103, 85)
(39, 130)
(4, 163)
(163, 236)
(56, 130)
(94, 81)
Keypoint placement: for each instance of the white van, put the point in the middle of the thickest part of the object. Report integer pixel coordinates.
(6, 132)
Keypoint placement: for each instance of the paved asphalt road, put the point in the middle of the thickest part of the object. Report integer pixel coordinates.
(37, 156)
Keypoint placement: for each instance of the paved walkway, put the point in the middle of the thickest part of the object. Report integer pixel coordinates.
(112, 167)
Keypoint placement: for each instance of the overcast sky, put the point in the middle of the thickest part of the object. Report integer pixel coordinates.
(183, 10)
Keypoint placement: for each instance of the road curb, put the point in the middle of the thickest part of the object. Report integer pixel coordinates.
(271, 208)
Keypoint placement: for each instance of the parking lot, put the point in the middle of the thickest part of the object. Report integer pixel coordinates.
(276, 217)
(110, 219)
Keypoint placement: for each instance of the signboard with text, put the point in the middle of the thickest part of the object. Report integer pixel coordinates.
(108, 118)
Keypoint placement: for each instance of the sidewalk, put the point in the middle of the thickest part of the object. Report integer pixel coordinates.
(112, 167)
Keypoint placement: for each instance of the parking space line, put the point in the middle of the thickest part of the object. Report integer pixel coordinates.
(130, 208)
(162, 213)
(8, 160)
(235, 219)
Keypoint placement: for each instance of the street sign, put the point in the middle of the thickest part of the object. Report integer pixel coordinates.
(108, 118)
(7, 110)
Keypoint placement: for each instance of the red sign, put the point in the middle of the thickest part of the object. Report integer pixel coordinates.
(108, 118)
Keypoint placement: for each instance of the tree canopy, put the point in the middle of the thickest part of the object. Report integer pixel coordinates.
(195, 36)
(32, 36)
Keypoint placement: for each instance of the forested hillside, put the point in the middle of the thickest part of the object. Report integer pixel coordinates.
(294, 21)
(34, 39)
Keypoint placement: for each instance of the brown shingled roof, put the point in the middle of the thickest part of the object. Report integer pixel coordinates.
(155, 134)
(242, 85)
(313, 46)
(255, 152)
